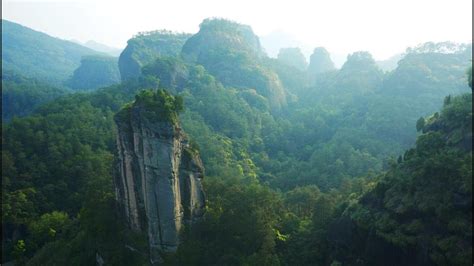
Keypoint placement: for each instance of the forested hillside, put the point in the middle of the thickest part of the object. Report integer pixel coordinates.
(95, 72)
(21, 95)
(37, 55)
(304, 164)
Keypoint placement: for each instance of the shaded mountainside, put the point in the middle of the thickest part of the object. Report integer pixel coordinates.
(21, 95)
(146, 47)
(366, 102)
(95, 72)
(37, 55)
(419, 212)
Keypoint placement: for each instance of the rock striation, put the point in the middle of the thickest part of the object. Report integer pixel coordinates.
(158, 181)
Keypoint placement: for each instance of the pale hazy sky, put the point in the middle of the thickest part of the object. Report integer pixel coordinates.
(382, 27)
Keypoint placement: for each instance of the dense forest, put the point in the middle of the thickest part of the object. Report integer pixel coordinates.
(305, 164)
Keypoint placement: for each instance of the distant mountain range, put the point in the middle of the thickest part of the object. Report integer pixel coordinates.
(274, 41)
(100, 47)
(37, 55)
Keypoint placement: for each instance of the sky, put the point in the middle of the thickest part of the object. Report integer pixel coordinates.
(382, 27)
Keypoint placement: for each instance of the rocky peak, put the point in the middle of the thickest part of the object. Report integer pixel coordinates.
(320, 61)
(358, 60)
(158, 181)
(359, 73)
(293, 56)
(232, 53)
(224, 36)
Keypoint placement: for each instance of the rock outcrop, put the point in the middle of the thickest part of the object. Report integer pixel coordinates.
(158, 182)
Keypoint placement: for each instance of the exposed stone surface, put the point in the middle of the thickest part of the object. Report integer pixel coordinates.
(158, 183)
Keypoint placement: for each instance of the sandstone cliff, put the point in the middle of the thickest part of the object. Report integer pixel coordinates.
(158, 182)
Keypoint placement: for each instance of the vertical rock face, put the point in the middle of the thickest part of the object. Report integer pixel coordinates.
(158, 182)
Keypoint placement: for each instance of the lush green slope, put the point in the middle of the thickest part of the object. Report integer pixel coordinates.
(38, 55)
(357, 118)
(95, 72)
(62, 162)
(420, 212)
(20, 95)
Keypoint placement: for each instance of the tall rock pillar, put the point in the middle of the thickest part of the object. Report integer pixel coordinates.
(158, 181)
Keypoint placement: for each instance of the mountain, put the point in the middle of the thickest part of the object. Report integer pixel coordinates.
(145, 47)
(21, 95)
(359, 72)
(293, 57)
(390, 63)
(95, 72)
(418, 212)
(37, 55)
(440, 65)
(232, 53)
(320, 62)
(330, 172)
(100, 47)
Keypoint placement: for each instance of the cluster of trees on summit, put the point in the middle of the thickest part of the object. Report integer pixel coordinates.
(305, 164)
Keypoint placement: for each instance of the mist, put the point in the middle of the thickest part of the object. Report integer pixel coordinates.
(342, 26)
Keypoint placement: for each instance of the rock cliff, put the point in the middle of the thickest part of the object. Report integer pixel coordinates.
(158, 182)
